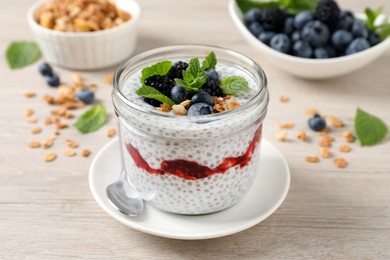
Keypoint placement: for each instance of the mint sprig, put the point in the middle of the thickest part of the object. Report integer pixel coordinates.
(234, 84)
(92, 119)
(210, 61)
(21, 54)
(291, 6)
(160, 68)
(193, 77)
(371, 22)
(369, 129)
(150, 92)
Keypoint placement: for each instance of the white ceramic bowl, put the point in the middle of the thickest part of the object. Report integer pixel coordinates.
(308, 68)
(88, 50)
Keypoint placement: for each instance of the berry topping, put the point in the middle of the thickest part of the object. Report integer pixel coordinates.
(45, 69)
(53, 80)
(357, 45)
(328, 12)
(302, 49)
(315, 33)
(162, 83)
(266, 37)
(321, 53)
(273, 19)
(341, 39)
(202, 97)
(301, 19)
(179, 94)
(200, 109)
(317, 123)
(256, 28)
(86, 95)
(176, 72)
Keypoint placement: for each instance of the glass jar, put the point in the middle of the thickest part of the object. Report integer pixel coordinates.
(190, 164)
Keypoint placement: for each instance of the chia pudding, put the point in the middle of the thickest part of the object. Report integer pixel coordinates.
(191, 164)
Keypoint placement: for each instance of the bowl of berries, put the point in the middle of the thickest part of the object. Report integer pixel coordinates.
(191, 121)
(312, 40)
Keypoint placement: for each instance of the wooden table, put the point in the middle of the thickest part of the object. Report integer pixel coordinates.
(47, 210)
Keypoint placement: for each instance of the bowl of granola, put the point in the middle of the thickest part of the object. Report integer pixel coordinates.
(85, 34)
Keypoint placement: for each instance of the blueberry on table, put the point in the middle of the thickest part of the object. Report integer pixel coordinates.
(281, 42)
(341, 39)
(45, 69)
(359, 29)
(302, 49)
(53, 80)
(253, 15)
(301, 19)
(86, 95)
(255, 28)
(315, 33)
(202, 97)
(357, 45)
(317, 123)
(200, 109)
(179, 94)
(265, 37)
(321, 53)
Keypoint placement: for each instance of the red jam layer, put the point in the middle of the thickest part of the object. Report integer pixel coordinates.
(191, 170)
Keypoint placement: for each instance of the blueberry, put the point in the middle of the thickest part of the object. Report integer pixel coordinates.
(331, 51)
(302, 18)
(281, 42)
(288, 25)
(255, 28)
(253, 15)
(45, 69)
(198, 109)
(85, 95)
(373, 38)
(266, 37)
(179, 94)
(357, 45)
(302, 49)
(212, 74)
(317, 123)
(359, 29)
(346, 20)
(53, 80)
(202, 97)
(295, 36)
(341, 39)
(315, 33)
(321, 53)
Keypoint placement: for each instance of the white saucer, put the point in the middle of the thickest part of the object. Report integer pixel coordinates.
(266, 195)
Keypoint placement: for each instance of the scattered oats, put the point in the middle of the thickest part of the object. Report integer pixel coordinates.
(111, 132)
(50, 157)
(302, 136)
(55, 120)
(336, 122)
(345, 148)
(31, 119)
(324, 131)
(324, 143)
(179, 110)
(69, 152)
(85, 152)
(284, 99)
(281, 136)
(71, 143)
(186, 103)
(77, 79)
(348, 136)
(68, 115)
(325, 152)
(48, 121)
(328, 138)
(61, 125)
(311, 111)
(36, 130)
(34, 144)
(57, 132)
(287, 125)
(49, 99)
(340, 162)
(165, 107)
(93, 87)
(30, 94)
(232, 104)
(28, 112)
(312, 159)
(47, 143)
(109, 78)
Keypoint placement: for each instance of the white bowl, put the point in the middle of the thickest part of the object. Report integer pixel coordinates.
(308, 68)
(88, 50)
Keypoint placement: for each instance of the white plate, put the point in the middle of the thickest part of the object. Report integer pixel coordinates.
(266, 195)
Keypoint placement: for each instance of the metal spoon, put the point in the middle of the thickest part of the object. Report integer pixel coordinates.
(123, 194)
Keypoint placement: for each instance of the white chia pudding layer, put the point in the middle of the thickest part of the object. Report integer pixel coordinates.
(160, 137)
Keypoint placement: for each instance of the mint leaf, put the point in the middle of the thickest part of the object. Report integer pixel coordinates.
(160, 68)
(150, 92)
(246, 5)
(369, 129)
(384, 31)
(193, 77)
(291, 6)
(21, 54)
(92, 119)
(371, 16)
(234, 84)
(210, 61)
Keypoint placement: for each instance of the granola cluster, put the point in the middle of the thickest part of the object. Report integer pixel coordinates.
(80, 15)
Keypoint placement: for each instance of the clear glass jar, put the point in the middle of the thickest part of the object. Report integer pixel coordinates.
(190, 164)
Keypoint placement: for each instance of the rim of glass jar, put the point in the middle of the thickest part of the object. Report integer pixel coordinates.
(260, 77)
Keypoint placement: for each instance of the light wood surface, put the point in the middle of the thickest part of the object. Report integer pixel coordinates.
(47, 210)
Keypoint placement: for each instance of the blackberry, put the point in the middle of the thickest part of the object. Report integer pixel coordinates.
(152, 102)
(162, 83)
(176, 70)
(212, 87)
(273, 19)
(328, 12)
